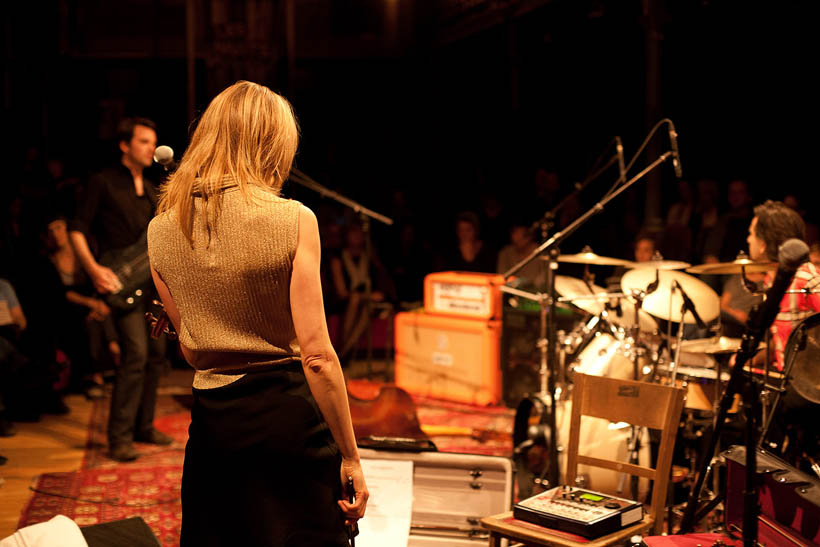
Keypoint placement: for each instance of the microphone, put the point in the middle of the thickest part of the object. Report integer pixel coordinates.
(164, 155)
(790, 256)
(619, 150)
(673, 139)
(689, 305)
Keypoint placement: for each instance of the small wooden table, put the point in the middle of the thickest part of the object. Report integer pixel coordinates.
(505, 525)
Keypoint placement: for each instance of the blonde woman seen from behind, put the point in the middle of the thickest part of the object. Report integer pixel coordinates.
(271, 441)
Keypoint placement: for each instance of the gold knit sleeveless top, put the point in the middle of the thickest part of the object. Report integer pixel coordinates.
(232, 288)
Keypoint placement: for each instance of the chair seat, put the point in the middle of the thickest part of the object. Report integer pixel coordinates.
(504, 525)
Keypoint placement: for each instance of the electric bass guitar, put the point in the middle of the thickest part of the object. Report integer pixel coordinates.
(130, 265)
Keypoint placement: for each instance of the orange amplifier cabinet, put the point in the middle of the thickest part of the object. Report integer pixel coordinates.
(464, 294)
(448, 358)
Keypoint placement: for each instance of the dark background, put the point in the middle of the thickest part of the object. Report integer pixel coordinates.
(445, 100)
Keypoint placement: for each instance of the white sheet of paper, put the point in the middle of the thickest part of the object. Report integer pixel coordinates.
(390, 506)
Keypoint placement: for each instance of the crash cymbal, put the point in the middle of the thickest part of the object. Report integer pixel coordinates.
(735, 267)
(661, 305)
(661, 264)
(577, 292)
(586, 256)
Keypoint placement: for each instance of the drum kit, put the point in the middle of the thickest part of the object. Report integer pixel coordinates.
(619, 335)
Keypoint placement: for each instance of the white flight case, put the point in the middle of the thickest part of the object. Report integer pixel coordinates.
(451, 493)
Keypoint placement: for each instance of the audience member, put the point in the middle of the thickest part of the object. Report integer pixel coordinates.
(521, 245)
(469, 253)
(26, 364)
(729, 235)
(12, 323)
(814, 253)
(793, 202)
(84, 320)
(409, 261)
(705, 218)
(643, 250)
(677, 237)
(353, 273)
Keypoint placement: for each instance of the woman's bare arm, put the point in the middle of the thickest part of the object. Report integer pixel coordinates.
(319, 359)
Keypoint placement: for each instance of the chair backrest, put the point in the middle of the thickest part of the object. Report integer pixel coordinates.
(637, 403)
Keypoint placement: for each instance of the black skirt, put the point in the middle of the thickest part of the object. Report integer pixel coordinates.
(261, 468)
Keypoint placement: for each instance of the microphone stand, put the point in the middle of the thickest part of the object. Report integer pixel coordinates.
(549, 354)
(365, 215)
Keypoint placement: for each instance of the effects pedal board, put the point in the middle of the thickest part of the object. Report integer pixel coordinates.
(578, 511)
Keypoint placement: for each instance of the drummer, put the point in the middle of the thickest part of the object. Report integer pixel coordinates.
(794, 429)
(773, 224)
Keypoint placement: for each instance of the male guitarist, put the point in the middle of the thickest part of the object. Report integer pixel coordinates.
(115, 209)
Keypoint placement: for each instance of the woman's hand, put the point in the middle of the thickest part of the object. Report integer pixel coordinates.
(353, 511)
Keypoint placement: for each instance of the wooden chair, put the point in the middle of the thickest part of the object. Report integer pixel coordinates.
(637, 403)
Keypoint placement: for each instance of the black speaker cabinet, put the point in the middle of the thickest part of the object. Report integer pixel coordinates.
(133, 532)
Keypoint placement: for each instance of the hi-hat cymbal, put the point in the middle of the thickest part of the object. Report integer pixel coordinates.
(586, 256)
(663, 303)
(661, 264)
(735, 267)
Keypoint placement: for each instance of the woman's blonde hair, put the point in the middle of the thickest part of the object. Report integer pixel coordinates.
(248, 136)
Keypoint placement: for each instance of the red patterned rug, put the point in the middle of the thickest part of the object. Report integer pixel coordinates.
(94, 496)
(105, 490)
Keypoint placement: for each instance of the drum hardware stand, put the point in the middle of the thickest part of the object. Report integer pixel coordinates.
(791, 254)
(788, 361)
(365, 215)
(549, 348)
(634, 441)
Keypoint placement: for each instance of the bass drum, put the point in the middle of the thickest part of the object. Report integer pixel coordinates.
(598, 437)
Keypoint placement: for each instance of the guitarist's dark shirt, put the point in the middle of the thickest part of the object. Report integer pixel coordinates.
(110, 210)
